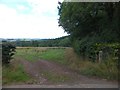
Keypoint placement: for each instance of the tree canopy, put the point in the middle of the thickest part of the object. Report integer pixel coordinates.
(90, 23)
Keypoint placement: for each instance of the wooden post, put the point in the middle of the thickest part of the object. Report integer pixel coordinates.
(100, 56)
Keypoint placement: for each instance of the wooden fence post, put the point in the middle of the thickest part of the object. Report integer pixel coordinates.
(100, 56)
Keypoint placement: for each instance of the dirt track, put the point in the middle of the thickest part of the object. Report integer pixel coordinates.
(36, 69)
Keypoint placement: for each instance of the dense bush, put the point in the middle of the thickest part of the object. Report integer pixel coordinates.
(90, 23)
(8, 50)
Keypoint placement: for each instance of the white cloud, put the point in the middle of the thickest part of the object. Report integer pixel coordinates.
(21, 7)
(43, 6)
(32, 25)
(5, 11)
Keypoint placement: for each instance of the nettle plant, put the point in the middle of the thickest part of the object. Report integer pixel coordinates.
(8, 50)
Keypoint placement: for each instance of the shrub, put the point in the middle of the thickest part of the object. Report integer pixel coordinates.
(8, 50)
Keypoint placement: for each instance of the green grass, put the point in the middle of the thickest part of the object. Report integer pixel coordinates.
(56, 55)
(101, 70)
(28, 54)
(34, 54)
(14, 74)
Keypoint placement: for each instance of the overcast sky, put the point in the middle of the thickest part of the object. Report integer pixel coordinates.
(29, 19)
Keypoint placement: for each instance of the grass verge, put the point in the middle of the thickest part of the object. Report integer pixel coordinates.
(107, 70)
(14, 74)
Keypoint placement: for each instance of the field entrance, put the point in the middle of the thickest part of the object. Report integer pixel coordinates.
(47, 66)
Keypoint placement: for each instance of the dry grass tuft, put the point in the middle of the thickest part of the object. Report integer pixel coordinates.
(107, 70)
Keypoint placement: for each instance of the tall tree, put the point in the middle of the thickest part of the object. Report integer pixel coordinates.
(90, 23)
